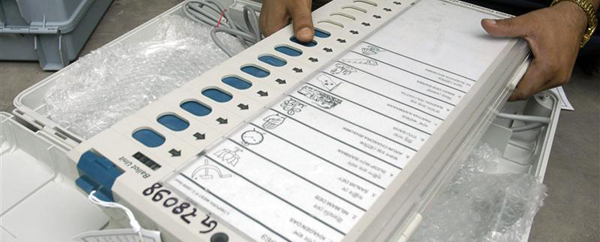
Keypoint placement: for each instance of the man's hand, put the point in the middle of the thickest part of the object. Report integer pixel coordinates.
(276, 14)
(554, 35)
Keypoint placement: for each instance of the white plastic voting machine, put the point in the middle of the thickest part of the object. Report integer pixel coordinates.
(342, 139)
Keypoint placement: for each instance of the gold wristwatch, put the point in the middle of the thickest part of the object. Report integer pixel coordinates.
(588, 8)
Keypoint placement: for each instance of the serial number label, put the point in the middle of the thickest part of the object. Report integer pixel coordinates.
(158, 194)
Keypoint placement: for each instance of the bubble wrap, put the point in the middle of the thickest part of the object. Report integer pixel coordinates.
(113, 82)
(482, 206)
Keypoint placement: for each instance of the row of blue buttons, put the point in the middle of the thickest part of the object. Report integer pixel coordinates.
(153, 139)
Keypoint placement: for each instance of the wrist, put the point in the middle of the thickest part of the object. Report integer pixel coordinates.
(576, 16)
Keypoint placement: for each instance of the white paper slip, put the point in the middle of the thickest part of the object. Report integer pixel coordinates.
(417, 35)
(388, 149)
(403, 77)
(267, 206)
(387, 126)
(415, 67)
(378, 102)
(391, 89)
(118, 235)
(320, 149)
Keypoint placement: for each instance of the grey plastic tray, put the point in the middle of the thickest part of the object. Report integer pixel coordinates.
(50, 31)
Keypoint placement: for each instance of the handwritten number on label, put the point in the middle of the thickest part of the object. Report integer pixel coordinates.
(193, 214)
(181, 208)
(170, 202)
(160, 194)
(208, 223)
(150, 190)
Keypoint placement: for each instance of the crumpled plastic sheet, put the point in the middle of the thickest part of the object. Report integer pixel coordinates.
(113, 82)
(481, 205)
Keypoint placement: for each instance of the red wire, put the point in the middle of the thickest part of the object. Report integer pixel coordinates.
(221, 17)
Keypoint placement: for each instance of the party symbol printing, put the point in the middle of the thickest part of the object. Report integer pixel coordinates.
(229, 156)
(361, 61)
(292, 106)
(321, 98)
(273, 121)
(252, 137)
(327, 82)
(342, 69)
(371, 50)
(203, 172)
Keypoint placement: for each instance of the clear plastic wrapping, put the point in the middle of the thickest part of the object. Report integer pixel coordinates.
(481, 205)
(113, 82)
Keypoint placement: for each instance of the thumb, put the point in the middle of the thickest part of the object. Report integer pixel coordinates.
(510, 27)
(302, 20)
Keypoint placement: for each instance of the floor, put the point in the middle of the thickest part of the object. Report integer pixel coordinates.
(572, 210)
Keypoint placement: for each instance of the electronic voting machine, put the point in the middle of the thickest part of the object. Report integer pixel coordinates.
(342, 139)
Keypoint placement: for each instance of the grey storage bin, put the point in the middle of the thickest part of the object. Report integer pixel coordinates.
(51, 31)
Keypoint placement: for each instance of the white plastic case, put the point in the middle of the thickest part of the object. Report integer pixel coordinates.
(384, 223)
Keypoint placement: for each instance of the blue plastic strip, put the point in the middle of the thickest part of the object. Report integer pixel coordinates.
(272, 60)
(196, 108)
(255, 71)
(311, 43)
(322, 33)
(217, 95)
(173, 122)
(96, 173)
(288, 50)
(237, 82)
(149, 138)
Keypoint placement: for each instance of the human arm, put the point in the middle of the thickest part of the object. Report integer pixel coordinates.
(554, 35)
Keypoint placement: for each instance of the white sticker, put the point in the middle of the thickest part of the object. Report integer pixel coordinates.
(405, 78)
(379, 102)
(414, 66)
(391, 89)
(319, 149)
(259, 203)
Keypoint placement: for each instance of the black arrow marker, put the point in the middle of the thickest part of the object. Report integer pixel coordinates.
(327, 49)
(397, 3)
(341, 40)
(353, 31)
(262, 93)
(199, 136)
(280, 81)
(222, 120)
(376, 16)
(313, 59)
(297, 70)
(175, 153)
(243, 106)
(366, 24)
(387, 9)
